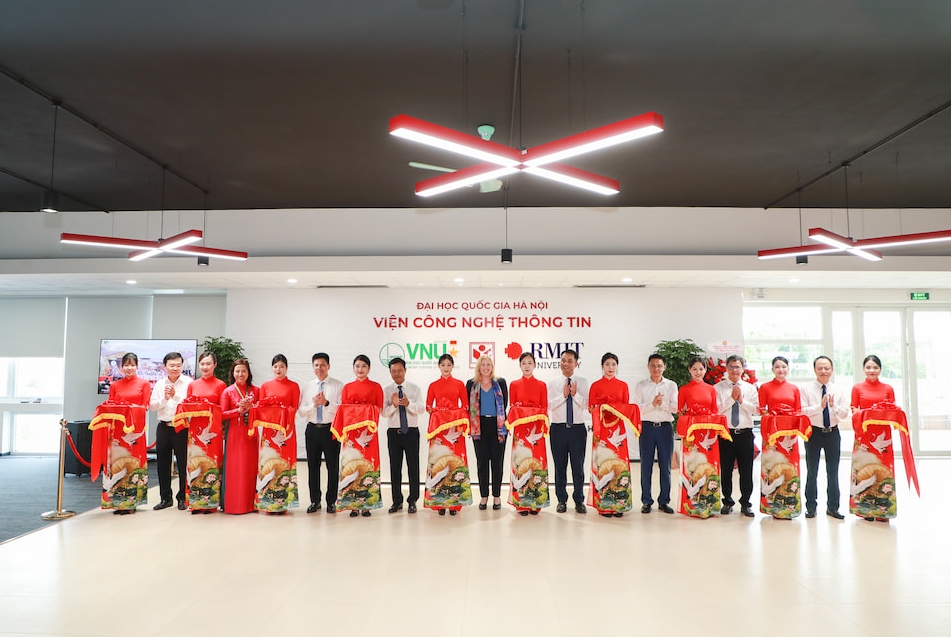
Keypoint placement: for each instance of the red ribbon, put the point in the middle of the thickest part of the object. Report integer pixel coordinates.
(891, 415)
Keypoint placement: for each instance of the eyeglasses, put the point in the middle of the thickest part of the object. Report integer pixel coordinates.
(735, 367)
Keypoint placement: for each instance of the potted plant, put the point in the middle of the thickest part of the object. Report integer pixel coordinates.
(226, 351)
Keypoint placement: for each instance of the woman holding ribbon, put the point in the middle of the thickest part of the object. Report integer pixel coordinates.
(781, 427)
(276, 480)
(118, 440)
(200, 413)
(611, 415)
(528, 422)
(240, 440)
(355, 427)
(447, 469)
(872, 484)
(700, 427)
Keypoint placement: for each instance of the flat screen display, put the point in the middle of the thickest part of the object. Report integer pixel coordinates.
(150, 351)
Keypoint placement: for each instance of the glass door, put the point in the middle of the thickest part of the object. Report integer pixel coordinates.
(931, 398)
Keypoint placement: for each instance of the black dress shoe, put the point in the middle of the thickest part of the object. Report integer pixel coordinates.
(443, 511)
(665, 508)
(605, 514)
(835, 514)
(646, 508)
(313, 508)
(810, 513)
(523, 513)
(534, 512)
(748, 512)
(411, 508)
(354, 514)
(181, 505)
(395, 508)
(365, 514)
(561, 508)
(483, 506)
(331, 508)
(164, 504)
(580, 508)
(618, 514)
(727, 509)
(496, 506)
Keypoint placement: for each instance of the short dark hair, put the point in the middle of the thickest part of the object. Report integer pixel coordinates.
(319, 355)
(396, 360)
(239, 361)
(609, 356)
(655, 355)
(279, 358)
(572, 352)
(819, 358)
(736, 358)
(172, 356)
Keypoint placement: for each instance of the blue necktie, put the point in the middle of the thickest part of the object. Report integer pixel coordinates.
(735, 414)
(404, 423)
(569, 406)
(826, 420)
(320, 408)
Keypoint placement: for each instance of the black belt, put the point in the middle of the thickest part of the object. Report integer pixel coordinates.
(320, 424)
(827, 430)
(568, 425)
(165, 422)
(741, 430)
(400, 431)
(656, 424)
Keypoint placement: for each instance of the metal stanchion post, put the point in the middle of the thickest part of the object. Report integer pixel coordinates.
(59, 513)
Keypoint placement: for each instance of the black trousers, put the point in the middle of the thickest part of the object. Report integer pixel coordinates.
(740, 451)
(167, 440)
(489, 456)
(400, 445)
(569, 445)
(319, 441)
(831, 443)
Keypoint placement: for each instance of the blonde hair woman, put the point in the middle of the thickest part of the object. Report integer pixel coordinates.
(488, 401)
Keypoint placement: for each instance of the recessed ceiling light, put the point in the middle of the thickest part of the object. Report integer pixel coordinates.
(131, 281)
(292, 280)
(459, 280)
(626, 279)
(794, 280)
(420, 284)
(501, 284)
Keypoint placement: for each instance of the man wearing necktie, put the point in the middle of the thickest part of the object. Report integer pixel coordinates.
(738, 401)
(567, 406)
(404, 403)
(825, 406)
(318, 406)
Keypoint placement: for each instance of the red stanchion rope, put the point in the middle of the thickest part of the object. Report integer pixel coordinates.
(69, 438)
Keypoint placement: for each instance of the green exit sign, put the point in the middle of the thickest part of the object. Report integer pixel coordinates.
(920, 296)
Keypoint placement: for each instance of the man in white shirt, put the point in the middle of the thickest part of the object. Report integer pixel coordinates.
(826, 406)
(402, 404)
(167, 393)
(656, 397)
(567, 407)
(738, 401)
(318, 405)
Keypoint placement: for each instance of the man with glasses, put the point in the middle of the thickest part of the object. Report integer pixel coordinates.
(826, 406)
(738, 401)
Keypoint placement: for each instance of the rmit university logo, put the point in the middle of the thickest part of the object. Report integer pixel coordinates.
(547, 355)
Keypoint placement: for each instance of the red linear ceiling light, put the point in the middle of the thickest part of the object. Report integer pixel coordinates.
(141, 250)
(499, 161)
(865, 248)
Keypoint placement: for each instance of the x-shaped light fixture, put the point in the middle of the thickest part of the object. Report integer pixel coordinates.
(865, 248)
(499, 161)
(141, 250)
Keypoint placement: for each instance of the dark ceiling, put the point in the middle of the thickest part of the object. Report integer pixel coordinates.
(286, 104)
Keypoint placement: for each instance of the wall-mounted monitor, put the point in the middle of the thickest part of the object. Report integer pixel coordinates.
(150, 351)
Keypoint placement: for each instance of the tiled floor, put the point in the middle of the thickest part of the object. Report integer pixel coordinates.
(484, 573)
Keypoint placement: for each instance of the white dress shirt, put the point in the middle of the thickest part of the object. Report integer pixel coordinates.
(748, 408)
(811, 396)
(166, 408)
(644, 393)
(391, 412)
(332, 390)
(557, 411)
